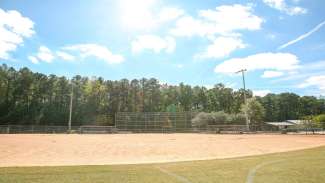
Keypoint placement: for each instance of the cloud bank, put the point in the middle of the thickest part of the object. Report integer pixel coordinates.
(261, 61)
(14, 28)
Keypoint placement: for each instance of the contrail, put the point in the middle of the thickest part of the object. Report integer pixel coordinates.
(303, 36)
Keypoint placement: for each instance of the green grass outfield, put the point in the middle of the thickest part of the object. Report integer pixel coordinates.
(298, 166)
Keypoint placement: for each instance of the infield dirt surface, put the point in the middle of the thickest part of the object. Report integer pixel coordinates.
(73, 149)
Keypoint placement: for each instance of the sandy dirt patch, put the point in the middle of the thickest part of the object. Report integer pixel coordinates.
(62, 149)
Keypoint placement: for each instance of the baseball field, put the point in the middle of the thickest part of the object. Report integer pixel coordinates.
(161, 158)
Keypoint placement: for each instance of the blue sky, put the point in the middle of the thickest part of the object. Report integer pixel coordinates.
(280, 42)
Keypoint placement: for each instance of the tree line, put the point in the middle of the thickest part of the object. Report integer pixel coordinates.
(32, 98)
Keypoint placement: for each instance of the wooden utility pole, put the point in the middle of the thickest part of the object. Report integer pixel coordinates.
(242, 71)
(70, 110)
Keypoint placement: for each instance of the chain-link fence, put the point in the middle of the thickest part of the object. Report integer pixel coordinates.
(36, 129)
(154, 121)
(222, 129)
(175, 122)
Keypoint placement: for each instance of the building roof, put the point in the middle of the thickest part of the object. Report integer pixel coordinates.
(280, 123)
(297, 122)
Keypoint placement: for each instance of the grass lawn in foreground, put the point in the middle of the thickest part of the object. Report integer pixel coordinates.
(298, 166)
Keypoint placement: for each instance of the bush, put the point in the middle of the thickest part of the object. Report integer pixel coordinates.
(239, 119)
(202, 119)
(320, 120)
(217, 118)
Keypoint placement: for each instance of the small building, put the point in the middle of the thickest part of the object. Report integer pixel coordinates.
(282, 125)
(296, 122)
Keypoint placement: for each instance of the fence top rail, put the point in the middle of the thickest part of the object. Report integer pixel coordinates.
(187, 112)
(36, 126)
(225, 125)
(94, 126)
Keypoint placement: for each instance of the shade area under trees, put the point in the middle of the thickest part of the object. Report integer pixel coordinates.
(31, 98)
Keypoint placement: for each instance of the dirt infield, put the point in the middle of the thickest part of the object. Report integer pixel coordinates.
(52, 150)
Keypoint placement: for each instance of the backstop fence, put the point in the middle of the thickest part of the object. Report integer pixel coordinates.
(154, 121)
(165, 122)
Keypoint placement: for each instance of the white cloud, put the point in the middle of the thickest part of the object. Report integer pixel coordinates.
(222, 47)
(65, 56)
(314, 66)
(223, 20)
(145, 15)
(235, 17)
(137, 14)
(272, 74)
(170, 13)
(188, 26)
(230, 85)
(154, 43)
(303, 36)
(45, 54)
(220, 26)
(304, 71)
(33, 59)
(281, 5)
(208, 86)
(261, 93)
(318, 81)
(13, 29)
(179, 66)
(297, 10)
(273, 61)
(277, 4)
(95, 50)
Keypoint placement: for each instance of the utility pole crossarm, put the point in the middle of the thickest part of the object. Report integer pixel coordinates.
(242, 70)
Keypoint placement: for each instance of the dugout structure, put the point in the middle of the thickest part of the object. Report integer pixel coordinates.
(162, 122)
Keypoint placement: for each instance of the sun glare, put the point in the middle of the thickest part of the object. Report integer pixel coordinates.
(137, 14)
